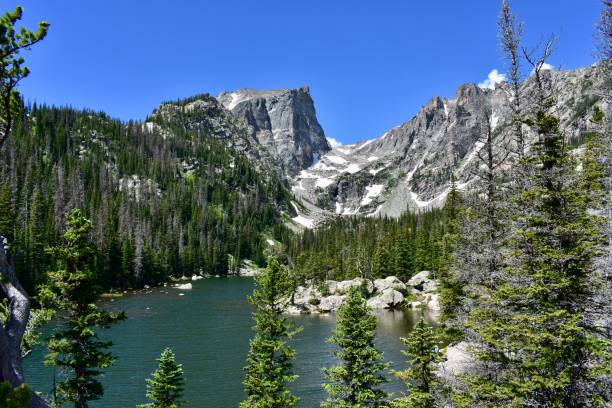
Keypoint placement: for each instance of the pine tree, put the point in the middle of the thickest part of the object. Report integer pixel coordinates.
(14, 397)
(451, 286)
(269, 363)
(354, 384)
(381, 260)
(76, 348)
(420, 378)
(530, 330)
(165, 387)
(7, 215)
(13, 42)
(510, 33)
(402, 262)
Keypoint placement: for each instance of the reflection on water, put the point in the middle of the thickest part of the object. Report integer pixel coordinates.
(209, 328)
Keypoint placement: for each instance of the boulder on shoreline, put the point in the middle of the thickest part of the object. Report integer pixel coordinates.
(331, 303)
(343, 287)
(390, 282)
(248, 269)
(386, 293)
(183, 286)
(388, 299)
(421, 282)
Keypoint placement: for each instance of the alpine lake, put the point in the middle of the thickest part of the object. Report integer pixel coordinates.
(208, 328)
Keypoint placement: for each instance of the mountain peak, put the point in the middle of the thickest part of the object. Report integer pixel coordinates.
(283, 122)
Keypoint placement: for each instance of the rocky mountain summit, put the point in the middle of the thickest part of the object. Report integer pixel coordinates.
(278, 130)
(410, 166)
(283, 122)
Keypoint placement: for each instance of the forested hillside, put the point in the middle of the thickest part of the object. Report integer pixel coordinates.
(163, 202)
(351, 247)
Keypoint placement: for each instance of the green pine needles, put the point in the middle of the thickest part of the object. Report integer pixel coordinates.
(354, 384)
(269, 363)
(166, 385)
(532, 329)
(420, 378)
(76, 347)
(12, 42)
(14, 397)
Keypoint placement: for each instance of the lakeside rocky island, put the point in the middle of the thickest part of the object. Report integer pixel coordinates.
(388, 293)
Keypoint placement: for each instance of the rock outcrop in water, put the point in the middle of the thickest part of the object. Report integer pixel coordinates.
(387, 293)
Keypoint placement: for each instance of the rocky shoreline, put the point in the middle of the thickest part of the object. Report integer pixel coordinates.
(420, 292)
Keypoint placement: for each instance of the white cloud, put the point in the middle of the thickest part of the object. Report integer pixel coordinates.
(545, 66)
(494, 77)
(333, 142)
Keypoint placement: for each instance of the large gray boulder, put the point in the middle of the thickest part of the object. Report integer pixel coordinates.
(388, 299)
(458, 361)
(390, 282)
(332, 286)
(305, 295)
(344, 287)
(422, 282)
(331, 303)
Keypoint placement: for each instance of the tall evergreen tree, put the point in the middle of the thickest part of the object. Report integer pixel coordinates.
(382, 262)
(13, 41)
(269, 363)
(12, 70)
(354, 384)
(71, 288)
(510, 33)
(530, 330)
(166, 385)
(420, 378)
(451, 285)
(7, 214)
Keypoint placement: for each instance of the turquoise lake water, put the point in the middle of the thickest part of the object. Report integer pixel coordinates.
(209, 328)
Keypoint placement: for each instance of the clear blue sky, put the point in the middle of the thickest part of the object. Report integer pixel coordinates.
(370, 64)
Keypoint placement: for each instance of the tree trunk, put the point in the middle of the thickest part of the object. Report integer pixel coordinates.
(11, 334)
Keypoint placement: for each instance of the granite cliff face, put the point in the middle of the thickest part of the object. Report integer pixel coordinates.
(277, 129)
(283, 123)
(410, 166)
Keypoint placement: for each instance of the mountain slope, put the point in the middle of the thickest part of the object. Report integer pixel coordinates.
(169, 197)
(410, 166)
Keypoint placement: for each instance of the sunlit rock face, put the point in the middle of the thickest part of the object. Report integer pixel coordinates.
(283, 122)
(410, 166)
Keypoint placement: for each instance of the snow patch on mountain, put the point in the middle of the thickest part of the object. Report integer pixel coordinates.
(336, 159)
(371, 193)
(305, 222)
